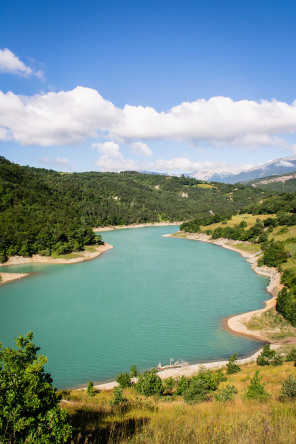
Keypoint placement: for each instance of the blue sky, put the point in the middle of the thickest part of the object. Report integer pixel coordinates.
(171, 86)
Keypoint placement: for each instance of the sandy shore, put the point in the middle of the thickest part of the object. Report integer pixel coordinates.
(7, 277)
(188, 370)
(80, 256)
(121, 227)
(237, 323)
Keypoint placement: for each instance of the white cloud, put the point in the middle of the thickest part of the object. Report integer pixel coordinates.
(179, 164)
(69, 117)
(62, 118)
(57, 163)
(110, 149)
(112, 159)
(141, 148)
(10, 63)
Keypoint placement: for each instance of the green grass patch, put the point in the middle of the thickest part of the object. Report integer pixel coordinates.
(66, 256)
(90, 248)
(205, 185)
(273, 324)
(246, 247)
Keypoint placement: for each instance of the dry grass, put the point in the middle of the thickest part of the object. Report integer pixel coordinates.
(156, 421)
(236, 220)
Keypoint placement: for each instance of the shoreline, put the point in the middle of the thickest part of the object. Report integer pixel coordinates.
(236, 323)
(187, 370)
(124, 227)
(82, 256)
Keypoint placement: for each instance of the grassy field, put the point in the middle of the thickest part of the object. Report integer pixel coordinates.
(246, 247)
(169, 420)
(236, 220)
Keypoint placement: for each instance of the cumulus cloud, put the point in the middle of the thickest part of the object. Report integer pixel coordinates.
(111, 158)
(56, 163)
(141, 148)
(10, 63)
(69, 117)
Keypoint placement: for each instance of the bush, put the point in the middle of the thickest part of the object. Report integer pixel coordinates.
(266, 356)
(90, 389)
(124, 380)
(149, 383)
(291, 356)
(256, 389)
(232, 366)
(133, 371)
(288, 390)
(118, 398)
(3, 258)
(226, 394)
(278, 359)
(197, 391)
(182, 385)
(201, 386)
(29, 410)
(274, 254)
(168, 385)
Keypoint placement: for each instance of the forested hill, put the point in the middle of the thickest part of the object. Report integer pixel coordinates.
(44, 211)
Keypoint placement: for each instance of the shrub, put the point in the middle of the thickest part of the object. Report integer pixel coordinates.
(182, 385)
(133, 371)
(90, 389)
(274, 254)
(197, 391)
(232, 366)
(3, 258)
(256, 389)
(201, 386)
(118, 398)
(266, 356)
(226, 394)
(149, 383)
(291, 356)
(168, 385)
(124, 380)
(288, 390)
(278, 359)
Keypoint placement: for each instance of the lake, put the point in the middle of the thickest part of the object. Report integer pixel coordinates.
(149, 299)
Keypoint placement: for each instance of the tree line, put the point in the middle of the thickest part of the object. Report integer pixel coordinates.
(44, 211)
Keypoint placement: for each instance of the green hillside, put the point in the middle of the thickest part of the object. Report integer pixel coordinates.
(44, 211)
(285, 183)
(268, 228)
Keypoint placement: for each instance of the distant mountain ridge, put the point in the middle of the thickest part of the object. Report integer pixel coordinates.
(274, 168)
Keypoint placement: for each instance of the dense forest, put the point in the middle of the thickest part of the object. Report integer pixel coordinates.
(44, 211)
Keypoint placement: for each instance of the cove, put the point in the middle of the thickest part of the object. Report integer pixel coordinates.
(149, 299)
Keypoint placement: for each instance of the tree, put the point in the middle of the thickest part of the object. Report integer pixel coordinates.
(256, 389)
(29, 410)
(232, 366)
(149, 383)
(124, 380)
(90, 389)
(266, 356)
(288, 390)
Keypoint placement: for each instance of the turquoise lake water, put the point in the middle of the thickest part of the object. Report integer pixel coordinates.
(149, 299)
